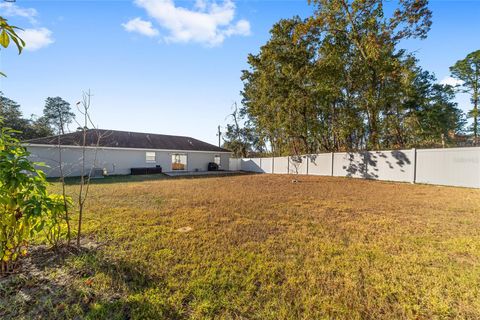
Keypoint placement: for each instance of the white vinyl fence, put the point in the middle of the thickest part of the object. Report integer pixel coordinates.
(450, 167)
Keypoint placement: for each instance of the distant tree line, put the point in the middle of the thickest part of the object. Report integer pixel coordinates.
(56, 117)
(338, 81)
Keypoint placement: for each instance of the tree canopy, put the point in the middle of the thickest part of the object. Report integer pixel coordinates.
(468, 71)
(34, 127)
(339, 80)
(58, 114)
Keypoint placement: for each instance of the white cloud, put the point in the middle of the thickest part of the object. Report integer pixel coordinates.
(140, 26)
(207, 22)
(9, 9)
(36, 38)
(451, 81)
(242, 27)
(201, 5)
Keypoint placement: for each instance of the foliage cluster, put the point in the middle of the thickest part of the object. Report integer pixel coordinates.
(9, 33)
(339, 80)
(56, 117)
(467, 71)
(26, 206)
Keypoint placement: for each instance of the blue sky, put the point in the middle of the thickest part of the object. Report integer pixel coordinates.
(173, 67)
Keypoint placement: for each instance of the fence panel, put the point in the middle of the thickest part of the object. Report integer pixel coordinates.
(252, 165)
(452, 167)
(395, 165)
(280, 165)
(267, 165)
(234, 164)
(298, 165)
(320, 164)
(348, 164)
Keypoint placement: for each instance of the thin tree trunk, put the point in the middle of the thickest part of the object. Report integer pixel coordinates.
(82, 182)
(475, 122)
(64, 193)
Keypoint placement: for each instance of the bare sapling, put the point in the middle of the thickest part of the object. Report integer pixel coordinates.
(296, 161)
(66, 204)
(90, 140)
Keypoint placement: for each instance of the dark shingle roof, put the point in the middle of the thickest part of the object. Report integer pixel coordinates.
(125, 139)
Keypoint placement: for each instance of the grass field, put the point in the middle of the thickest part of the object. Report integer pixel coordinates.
(262, 247)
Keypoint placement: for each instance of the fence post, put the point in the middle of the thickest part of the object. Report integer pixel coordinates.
(288, 164)
(333, 159)
(273, 164)
(414, 160)
(308, 161)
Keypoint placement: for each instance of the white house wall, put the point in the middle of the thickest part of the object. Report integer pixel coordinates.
(117, 161)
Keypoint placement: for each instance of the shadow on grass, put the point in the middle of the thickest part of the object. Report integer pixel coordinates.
(143, 178)
(82, 285)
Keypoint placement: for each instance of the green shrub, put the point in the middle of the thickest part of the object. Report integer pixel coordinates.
(26, 207)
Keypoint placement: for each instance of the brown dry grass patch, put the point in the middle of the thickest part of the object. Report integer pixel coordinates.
(261, 247)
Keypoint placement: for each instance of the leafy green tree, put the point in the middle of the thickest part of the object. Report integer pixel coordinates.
(468, 71)
(58, 112)
(442, 118)
(434, 118)
(338, 81)
(277, 94)
(35, 127)
(372, 36)
(26, 207)
(241, 140)
(12, 115)
(419, 112)
(38, 127)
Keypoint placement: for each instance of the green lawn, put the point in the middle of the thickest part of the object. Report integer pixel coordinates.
(261, 247)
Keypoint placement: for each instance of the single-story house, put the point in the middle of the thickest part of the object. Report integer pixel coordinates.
(117, 152)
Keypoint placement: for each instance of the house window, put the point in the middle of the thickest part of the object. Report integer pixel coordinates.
(150, 157)
(179, 161)
(216, 159)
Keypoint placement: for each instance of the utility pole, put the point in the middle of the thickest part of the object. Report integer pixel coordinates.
(219, 134)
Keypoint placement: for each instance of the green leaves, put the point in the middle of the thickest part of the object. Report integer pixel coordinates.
(338, 81)
(468, 71)
(4, 39)
(8, 32)
(58, 113)
(26, 208)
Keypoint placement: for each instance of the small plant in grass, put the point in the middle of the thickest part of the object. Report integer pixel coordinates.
(55, 223)
(26, 208)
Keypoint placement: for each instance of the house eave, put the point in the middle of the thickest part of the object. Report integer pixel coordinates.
(119, 148)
